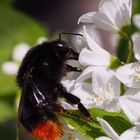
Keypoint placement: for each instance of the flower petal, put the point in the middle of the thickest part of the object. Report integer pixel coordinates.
(136, 20)
(137, 47)
(84, 92)
(120, 14)
(93, 40)
(131, 134)
(103, 138)
(10, 68)
(108, 129)
(99, 20)
(105, 77)
(87, 73)
(127, 74)
(133, 91)
(130, 106)
(19, 51)
(93, 58)
(112, 105)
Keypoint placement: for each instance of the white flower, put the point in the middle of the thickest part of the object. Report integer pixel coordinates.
(112, 15)
(104, 87)
(19, 51)
(93, 54)
(130, 74)
(10, 68)
(129, 103)
(130, 134)
(136, 20)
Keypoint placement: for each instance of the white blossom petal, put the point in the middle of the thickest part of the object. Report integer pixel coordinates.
(104, 78)
(94, 55)
(119, 16)
(87, 73)
(103, 138)
(137, 47)
(99, 20)
(136, 20)
(130, 106)
(19, 51)
(84, 92)
(93, 58)
(10, 68)
(112, 105)
(131, 134)
(129, 75)
(133, 91)
(108, 129)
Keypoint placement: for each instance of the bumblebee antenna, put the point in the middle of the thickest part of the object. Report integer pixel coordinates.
(63, 33)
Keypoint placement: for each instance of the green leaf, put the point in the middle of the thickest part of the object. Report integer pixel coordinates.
(118, 121)
(114, 62)
(14, 28)
(92, 130)
(85, 127)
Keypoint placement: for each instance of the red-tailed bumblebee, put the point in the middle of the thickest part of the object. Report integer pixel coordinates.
(39, 78)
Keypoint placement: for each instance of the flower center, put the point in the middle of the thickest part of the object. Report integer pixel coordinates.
(136, 74)
(102, 94)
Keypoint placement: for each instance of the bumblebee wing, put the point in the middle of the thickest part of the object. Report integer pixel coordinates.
(30, 110)
(20, 108)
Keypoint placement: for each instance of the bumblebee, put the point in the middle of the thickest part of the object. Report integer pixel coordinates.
(39, 76)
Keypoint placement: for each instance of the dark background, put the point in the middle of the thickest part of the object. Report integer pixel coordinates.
(57, 15)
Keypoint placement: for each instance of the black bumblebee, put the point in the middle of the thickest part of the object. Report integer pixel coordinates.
(39, 78)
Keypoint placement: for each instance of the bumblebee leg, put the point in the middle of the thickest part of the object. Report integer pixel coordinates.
(72, 55)
(72, 99)
(69, 68)
(52, 106)
(76, 101)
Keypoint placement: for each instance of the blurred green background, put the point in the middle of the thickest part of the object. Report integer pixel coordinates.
(26, 21)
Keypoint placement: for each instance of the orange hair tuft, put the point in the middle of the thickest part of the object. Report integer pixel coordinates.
(47, 130)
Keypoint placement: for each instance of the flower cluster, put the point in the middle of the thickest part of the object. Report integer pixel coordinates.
(105, 81)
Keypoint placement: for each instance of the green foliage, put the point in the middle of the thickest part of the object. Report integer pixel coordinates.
(114, 62)
(85, 127)
(91, 129)
(122, 49)
(6, 2)
(136, 6)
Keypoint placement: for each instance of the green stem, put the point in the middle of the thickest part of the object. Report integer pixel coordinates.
(122, 89)
(130, 54)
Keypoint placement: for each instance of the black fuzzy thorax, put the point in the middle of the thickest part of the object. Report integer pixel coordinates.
(35, 60)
